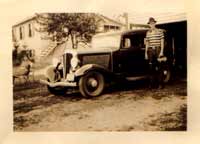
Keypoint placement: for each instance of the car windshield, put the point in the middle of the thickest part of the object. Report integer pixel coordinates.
(112, 41)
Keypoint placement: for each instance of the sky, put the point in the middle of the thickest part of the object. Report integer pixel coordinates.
(16, 10)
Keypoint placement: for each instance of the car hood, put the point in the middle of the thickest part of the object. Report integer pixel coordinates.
(92, 50)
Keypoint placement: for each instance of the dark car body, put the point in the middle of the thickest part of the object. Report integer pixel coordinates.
(112, 55)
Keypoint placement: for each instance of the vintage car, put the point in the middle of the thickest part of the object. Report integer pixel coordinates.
(113, 55)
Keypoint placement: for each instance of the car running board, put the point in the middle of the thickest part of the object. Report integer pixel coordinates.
(136, 78)
(56, 84)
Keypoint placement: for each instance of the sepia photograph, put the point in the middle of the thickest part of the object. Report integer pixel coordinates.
(96, 71)
(88, 71)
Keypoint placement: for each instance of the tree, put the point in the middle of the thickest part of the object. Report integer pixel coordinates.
(79, 27)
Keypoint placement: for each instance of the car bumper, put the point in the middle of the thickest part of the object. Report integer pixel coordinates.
(63, 84)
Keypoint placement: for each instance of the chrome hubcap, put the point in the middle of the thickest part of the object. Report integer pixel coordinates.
(92, 82)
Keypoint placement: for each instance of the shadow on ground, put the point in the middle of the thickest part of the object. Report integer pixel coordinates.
(32, 96)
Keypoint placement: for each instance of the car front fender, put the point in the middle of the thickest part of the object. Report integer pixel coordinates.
(84, 69)
(52, 74)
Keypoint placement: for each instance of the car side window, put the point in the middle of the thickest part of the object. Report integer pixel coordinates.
(127, 43)
(138, 40)
(134, 41)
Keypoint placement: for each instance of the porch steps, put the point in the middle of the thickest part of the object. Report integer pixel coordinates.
(46, 51)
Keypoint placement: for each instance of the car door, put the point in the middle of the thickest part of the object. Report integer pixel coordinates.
(132, 50)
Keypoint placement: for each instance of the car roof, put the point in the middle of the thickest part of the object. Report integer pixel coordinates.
(127, 32)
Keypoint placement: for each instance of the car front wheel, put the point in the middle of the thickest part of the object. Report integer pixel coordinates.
(91, 84)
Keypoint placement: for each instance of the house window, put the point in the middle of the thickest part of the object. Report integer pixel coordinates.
(30, 30)
(21, 32)
(14, 35)
(110, 27)
(117, 28)
(106, 28)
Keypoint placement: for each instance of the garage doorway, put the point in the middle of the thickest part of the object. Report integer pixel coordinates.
(178, 32)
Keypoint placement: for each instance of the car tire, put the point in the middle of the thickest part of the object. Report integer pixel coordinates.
(91, 84)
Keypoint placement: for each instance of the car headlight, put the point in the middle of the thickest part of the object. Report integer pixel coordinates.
(55, 61)
(74, 62)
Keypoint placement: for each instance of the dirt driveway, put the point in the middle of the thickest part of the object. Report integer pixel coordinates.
(131, 107)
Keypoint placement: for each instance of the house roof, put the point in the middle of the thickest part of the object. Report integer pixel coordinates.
(109, 19)
(24, 21)
(162, 18)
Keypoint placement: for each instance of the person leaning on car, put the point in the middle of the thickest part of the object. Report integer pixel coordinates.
(153, 50)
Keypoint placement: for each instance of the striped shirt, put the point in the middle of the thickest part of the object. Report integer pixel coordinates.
(154, 37)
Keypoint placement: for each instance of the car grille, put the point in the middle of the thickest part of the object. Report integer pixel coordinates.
(66, 64)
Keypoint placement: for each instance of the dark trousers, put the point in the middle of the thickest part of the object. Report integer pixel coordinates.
(155, 68)
(160, 74)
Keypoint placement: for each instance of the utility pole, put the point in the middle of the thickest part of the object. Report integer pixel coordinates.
(125, 15)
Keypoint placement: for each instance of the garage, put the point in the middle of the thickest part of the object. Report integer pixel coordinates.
(177, 31)
(175, 25)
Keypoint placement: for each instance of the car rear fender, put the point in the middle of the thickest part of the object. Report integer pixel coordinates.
(89, 67)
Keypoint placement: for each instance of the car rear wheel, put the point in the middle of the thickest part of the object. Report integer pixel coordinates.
(92, 84)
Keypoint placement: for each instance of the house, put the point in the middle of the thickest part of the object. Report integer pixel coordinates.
(26, 37)
(107, 24)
